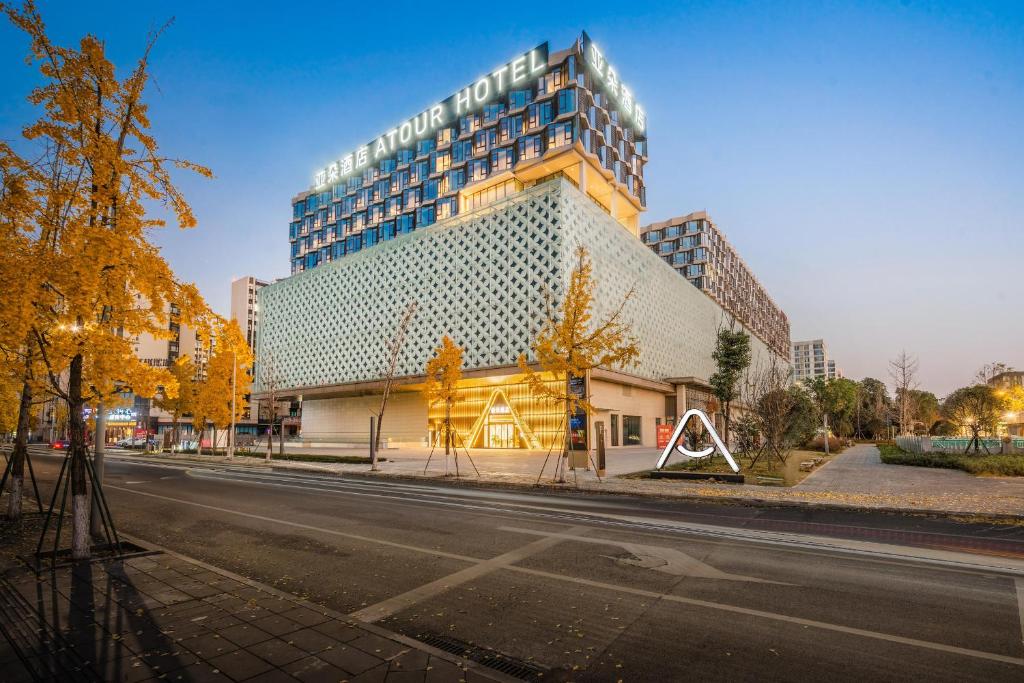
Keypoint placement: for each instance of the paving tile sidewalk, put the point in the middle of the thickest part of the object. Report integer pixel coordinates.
(162, 616)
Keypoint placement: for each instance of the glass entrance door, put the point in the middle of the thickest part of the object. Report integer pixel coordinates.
(500, 435)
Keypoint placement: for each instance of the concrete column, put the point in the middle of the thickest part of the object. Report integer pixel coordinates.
(582, 173)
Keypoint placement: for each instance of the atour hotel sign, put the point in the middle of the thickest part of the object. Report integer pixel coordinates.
(470, 99)
(608, 78)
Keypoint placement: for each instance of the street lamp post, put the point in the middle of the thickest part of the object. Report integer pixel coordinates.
(231, 434)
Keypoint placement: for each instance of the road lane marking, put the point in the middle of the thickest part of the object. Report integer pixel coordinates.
(391, 606)
(657, 558)
(874, 552)
(991, 656)
(298, 525)
(825, 626)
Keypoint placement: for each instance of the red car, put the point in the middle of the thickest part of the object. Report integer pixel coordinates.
(60, 445)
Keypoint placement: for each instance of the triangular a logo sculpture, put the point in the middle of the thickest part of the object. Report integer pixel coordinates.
(676, 442)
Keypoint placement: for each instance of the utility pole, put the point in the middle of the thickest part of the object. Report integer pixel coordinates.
(231, 434)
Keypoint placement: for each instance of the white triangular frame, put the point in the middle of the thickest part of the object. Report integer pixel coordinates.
(674, 442)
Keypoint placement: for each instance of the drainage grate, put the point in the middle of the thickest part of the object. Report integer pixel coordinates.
(510, 666)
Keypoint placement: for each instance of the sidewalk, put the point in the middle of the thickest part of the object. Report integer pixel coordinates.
(894, 488)
(162, 615)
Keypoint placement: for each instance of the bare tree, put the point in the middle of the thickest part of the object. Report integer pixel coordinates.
(990, 370)
(781, 417)
(903, 371)
(271, 385)
(394, 348)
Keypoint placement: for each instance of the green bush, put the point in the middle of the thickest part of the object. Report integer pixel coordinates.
(998, 465)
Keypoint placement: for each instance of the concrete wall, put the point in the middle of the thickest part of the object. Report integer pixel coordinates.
(608, 398)
(347, 420)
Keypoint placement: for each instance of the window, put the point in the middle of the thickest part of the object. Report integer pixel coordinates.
(298, 208)
(453, 181)
(652, 236)
(566, 100)
(363, 198)
(399, 181)
(517, 99)
(560, 135)
(404, 157)
(359, 221)
(295, 249)
(412, 197)
(501, 159)
(447, 208)
(380, 190)
(469, 124)
(425, 216)
(376, 214)
(388, 165)
(312, 259)
(387, 231)
(440, 162)
(483, 140)
(348, 205)
(369, 237)
(338, 250)
(419, 171)
(353, 244)
(493, 111)
(538, 114)
(631, 430)
(510, 128)
(425, 147)
(430, 190)
(477, 170)
(461, 151)
(404, 223)
(445, 136)
(492, 194)
(393, 206)
(530, 147)
(667, 247)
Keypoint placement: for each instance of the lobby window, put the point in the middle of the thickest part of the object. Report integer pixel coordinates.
(538, 114)
(501, 159)
(461, 151)
(492, 194)
(517, 99)
(387, 231)
(425, 216)
(510, 128)
(477, 170)
(560, 135)
(631, 430)
(425, 147)
(393, 206)
(566, 100)
(404, 223)
(412, 197)
(530, 147)
(353, 244)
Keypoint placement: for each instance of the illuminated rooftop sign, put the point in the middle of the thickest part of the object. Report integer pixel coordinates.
(605, 74)
(484, 90)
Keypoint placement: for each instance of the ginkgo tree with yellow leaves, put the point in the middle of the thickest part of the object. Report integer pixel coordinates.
(226, 372)
(444, 370)
(102, 281)
(570, 343)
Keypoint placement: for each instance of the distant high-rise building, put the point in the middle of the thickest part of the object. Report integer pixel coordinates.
(811, 361)
(244, 308)
(698, 250)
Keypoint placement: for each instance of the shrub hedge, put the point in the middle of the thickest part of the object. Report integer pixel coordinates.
(997, 465)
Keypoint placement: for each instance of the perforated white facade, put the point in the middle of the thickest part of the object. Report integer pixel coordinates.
(481, 278)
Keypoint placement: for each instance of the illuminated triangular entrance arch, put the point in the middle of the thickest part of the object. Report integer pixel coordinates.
(676, 441)
(520, 425)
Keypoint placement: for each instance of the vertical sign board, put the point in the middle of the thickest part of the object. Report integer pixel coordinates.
(664, 434)
(578, 419)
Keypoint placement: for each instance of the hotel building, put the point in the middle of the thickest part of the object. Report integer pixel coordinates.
(699, 251)
(473, 210)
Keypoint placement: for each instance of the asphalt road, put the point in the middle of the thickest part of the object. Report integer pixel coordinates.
(606, 588)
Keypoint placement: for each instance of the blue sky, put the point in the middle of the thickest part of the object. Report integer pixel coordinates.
(866, 159)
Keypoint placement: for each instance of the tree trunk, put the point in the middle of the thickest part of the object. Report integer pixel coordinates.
(728, 412)
(213, 444)
(280, 439)
(80, 546)
(99, 452)
(270, 438)
(174, 433)
(447, 427)
(20, 451)
(568, 425)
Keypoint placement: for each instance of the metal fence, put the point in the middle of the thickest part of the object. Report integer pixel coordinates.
(931, 444)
